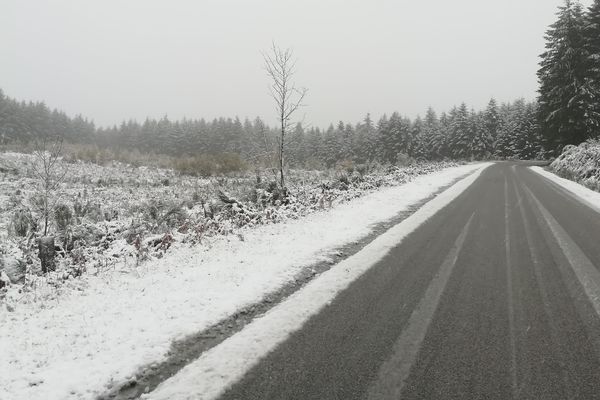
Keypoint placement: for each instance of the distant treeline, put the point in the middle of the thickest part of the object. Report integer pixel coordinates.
(499, 131)
(22, 123)
(567, 111)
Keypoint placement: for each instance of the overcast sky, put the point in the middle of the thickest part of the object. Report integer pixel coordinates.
(111, 60)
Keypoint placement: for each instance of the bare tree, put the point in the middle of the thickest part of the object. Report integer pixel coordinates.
(50, 173)
(280, 67)
(46, 168)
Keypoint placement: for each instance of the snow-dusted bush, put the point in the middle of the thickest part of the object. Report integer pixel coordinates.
(63, 216)
(580, 163)
(80, 208)
(21, 222)
(139, 213)
(163, 214)
(13, 262)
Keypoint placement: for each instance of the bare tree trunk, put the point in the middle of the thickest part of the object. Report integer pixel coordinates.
(281, 156)
(280, 68)
(46, 212)
(46, 254)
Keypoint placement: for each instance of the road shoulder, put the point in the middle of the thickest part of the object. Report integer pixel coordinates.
(587, 196)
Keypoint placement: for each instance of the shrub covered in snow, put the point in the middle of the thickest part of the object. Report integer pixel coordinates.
(117, 216)
(580, 163)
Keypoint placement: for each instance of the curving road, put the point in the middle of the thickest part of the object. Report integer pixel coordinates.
(495, 297)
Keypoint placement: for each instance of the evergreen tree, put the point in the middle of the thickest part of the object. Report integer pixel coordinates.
(592, 49)
(330, 149)
(165, 131)
(439, 140)
(429, 130)
(481, 142)
(491, 121)
(371, 150)
(177, 141)
(461, 133)
(528, 141)
(296, 146)
(517, 128)
(396, 138)
(10, 129)
(383, 136)
(419, 132)
(315, 149)
(503, 146)
(362, 140)
(564, 93)
(349, 136)
(149, 136)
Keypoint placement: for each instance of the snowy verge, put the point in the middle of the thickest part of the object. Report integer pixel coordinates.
(223, 365)
(587, 196)
(75, 348)
(580, 163)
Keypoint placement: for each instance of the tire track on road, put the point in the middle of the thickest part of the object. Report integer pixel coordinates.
(395, 371)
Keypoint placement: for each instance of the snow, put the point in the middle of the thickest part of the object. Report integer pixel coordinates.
(124, 215)
(77, 346)
(223, 365)
(587, 196)
(580, 163)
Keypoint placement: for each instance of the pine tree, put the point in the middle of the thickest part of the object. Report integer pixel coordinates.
(439, 140)
(491, 122)
(419, 132)
(296, 145)
(330, 147)
(149, 133)
(176, 139)
(349, 137)
(362, 140)
(382, 138)
(592, 48)
(315, 149)
(503, 144)
(564, 91)
(397, 138)
(371, 150)
(481, 143)
(529, 142)
(342, 144)
(429, 130)
(9, 129)
(407, 136)
(517, 130)
(166, 132)
(461, 133)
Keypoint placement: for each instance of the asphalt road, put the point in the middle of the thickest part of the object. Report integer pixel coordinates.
(495, 297)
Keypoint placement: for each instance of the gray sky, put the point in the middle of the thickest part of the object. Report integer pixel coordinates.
(112, 60)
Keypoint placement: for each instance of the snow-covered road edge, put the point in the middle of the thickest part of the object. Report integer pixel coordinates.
(223, 365)
(587, 196)
(74, 349)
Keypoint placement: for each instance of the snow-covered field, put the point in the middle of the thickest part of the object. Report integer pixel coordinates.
(69, 337)
(114, 218)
